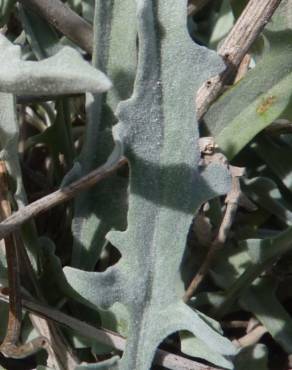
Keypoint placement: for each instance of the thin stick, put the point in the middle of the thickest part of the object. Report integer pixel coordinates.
(60, 356)
(65, 20)
(10, 342)
(251, 338)
(249, 25)
(14, 316)
(234, 324)
(106, 337)
(10, 346)
(243, 68)
(219, 241)
(247, 28)
(57, 197)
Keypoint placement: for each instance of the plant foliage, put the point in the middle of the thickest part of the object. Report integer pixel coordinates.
(122, 254)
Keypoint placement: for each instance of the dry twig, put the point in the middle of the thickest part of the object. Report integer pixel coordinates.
(249, 25)
(251, 338)
(243, 68)
(234, 324)
(10, 346)
(247, 28)
(103, 336)
(65, 20)
(50, 339)
(252, 324)
(232, 201)
(57, 197)
(10, 342)
(60, 356)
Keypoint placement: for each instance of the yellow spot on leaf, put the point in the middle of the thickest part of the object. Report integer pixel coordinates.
(266, 104)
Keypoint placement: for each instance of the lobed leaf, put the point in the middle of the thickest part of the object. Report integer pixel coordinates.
(166, 187)
(104, 207)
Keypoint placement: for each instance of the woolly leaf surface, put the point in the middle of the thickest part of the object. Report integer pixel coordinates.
(64, 73)
(158, 130)
(104, 207)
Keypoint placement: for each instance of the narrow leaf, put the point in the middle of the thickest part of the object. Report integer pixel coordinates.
(256, 101)
(262, 301)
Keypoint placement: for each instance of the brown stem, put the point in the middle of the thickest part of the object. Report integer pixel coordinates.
(106, 337)
(10, 346)
(249, 25)
(251, 338)
(14, 315)
(60, 356)
(247, 28)
(65, 20)
(50, 339)
(234, 324)
(243, 68)
(220, 240)
(57, 197)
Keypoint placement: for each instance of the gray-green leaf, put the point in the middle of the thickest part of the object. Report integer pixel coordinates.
(158, 130)
(64, 73)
